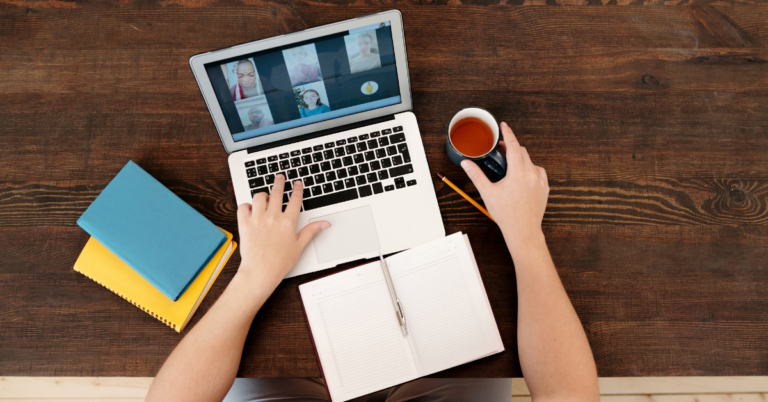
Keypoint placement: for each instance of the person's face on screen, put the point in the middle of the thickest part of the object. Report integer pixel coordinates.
(299, 56)
(246, 75)
(310, 99)
(255, 115)
(364, 45)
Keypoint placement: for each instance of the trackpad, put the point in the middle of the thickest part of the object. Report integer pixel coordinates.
(352, 232)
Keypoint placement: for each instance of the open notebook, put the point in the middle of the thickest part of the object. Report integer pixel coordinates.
(358, 339)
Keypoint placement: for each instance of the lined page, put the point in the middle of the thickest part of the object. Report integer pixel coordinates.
(448, 316)
(358, 339)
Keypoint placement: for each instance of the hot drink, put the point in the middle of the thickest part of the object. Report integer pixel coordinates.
(472, 137)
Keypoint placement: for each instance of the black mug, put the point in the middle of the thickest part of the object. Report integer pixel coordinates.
(493, 163)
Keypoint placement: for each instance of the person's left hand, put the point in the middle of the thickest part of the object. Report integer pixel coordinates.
(269, 244)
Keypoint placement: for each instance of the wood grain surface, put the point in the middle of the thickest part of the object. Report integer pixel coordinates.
(650, 116)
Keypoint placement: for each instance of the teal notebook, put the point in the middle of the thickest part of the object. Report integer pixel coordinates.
(161, 237)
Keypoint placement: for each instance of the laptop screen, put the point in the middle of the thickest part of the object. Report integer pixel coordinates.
(307, 82)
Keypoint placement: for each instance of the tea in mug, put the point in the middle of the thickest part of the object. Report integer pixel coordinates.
(472, 137)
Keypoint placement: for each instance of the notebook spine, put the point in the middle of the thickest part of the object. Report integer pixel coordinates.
(150, 312)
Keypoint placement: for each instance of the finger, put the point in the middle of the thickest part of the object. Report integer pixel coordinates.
(243, 212)
(259, 202)
(276, 197)
(476, 175)
(543, 174)
(506, 132)
(310, 231)
(513, 147)
(294, 203)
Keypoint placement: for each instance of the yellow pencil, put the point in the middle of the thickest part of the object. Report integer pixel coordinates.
(463, 194)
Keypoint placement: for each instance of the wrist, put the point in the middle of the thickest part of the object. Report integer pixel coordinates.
(252, 287)
(520, 242)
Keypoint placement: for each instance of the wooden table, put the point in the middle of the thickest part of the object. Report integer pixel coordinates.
(652, 122)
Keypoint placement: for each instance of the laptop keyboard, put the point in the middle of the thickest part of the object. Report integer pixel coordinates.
(339, 171)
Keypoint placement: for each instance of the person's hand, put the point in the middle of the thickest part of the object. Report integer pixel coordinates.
(269, 244)
(516, 202)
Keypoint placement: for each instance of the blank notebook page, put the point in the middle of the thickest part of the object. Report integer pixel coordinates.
(448, 316)
(356, 333)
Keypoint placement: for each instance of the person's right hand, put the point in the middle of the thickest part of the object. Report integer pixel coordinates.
(516, 202)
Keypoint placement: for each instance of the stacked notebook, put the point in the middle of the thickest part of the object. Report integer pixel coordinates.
(151, 248)
(360, 345)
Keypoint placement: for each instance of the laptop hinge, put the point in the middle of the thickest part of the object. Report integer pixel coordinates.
(321, 133)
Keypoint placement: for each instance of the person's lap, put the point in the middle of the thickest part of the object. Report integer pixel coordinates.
(421, 390)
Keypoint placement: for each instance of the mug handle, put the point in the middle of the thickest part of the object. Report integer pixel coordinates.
(496, 162)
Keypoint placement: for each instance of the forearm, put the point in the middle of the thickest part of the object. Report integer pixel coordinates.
(555, 356)
(204, 365)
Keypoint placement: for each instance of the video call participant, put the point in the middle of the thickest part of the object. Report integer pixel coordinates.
(303, 73)
(313, 104)
(256, 116)
(364, 60)
(247, 82)
(553, 349)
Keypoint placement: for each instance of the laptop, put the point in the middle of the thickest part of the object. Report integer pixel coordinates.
(330, 106)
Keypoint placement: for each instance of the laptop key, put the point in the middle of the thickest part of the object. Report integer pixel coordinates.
(359, 158)
(377, 188)
(375, 165)
(259, 190)
(295, 153)
(363, 168)
(363, 137)
(288, 186)
(284, 155)
(317, 191)
(341, 173)
(327, 188)
(306, 150)
(340, 142)
(272, 158)
(329, 145)
(386, 131)
(273, 167)
(284, 165)
(397, 160)
(402, 147)
(328, 154)
(372, 178)
(400, 170)
(350, 149)
(307, 192)
(389, 187)
(351, 140)
(317, 157)
(314, 169)
(257, 182)
(261, 161)
(406, 156)
(395, 138)
(339, 152)
(285, 198)
(383, 175)
(365, 191)
(349, 183)
(270, 178)
(361, 147)
(330, 199)
(251, 172)
(250, 164)
(372, 144)
(398, 129)
(306, 159)
(292, 174)
(295, 162)
(384, 141)
(352, 170)
(317, 148)
(411, 182)
(347, 160)
(391, 150)
(319, 178)
(303, 171)
(360, 180)
(330, 176)
(399, 182)
(262, 169)
(369, 156)
(338, 185)
(336, 163)
(309, 181)
(381, 153)
(375, 134)
(325, 166)
(386, 163)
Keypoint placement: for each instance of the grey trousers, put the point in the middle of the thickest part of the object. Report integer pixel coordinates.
(421, 390)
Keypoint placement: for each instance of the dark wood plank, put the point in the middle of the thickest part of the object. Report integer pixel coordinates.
(650, 121)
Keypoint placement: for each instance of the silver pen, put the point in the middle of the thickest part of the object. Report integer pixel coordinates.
(398, 308)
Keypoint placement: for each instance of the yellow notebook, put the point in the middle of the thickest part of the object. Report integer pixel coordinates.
(100, 265)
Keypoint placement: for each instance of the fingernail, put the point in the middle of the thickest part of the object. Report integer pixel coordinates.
(465, 164)
(325, 226)
(297, 183)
